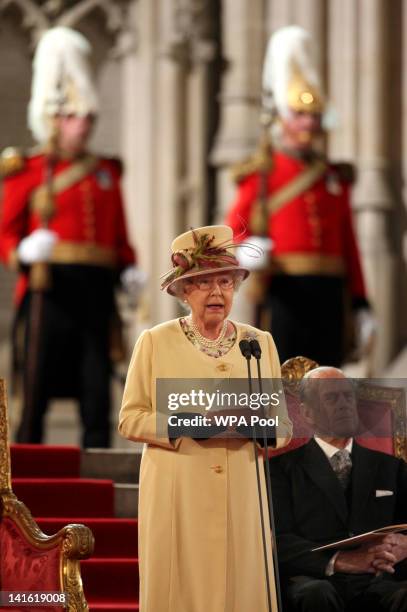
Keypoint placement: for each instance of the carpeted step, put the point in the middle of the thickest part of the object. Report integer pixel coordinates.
(55, 497)
(113, 537)
(118, 464)
(126, 500)
(110, 580)
(45, 461)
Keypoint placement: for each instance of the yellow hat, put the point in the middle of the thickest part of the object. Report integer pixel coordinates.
(204, 250)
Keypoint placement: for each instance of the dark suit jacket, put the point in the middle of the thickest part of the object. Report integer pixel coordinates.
(311, 508)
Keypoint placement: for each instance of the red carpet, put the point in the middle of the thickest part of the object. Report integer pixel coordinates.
(52, 496)
(46, 479)
(36, 461)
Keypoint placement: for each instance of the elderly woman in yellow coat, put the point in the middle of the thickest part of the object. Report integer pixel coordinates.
(200, 542)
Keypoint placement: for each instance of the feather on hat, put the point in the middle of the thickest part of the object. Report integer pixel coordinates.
(62, 80)
(290, 73)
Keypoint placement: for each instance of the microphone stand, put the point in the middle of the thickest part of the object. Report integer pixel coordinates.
(256, 352)
(246, 351)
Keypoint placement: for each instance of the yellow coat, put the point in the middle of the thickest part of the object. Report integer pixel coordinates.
(200, 543)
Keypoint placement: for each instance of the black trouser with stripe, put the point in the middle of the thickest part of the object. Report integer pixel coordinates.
(67, 351)
(307, 317)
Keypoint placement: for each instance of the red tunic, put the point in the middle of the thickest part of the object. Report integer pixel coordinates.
(90, 211)
(318, 221)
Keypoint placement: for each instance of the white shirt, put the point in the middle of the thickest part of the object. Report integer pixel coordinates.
(329, 449)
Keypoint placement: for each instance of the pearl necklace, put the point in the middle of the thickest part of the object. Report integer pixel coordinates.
(207, 342)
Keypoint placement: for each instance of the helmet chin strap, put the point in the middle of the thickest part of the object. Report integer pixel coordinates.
(51, 146)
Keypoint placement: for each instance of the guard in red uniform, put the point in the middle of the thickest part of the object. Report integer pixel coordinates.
(62, 226)
(294, 205)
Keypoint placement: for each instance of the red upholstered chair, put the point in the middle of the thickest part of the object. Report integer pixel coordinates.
(383, 419)
(292, 372)
(29, 559)
(382, 412)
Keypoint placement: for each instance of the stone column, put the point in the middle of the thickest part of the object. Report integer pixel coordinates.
(164, 134)
(243, 37)
(152, 145)
(197, 50)
(311, 15)
(373, 199)
(342, 77)
(195, 188)
(243, 48)
(279, 14)
(169, 155)
(137, 137)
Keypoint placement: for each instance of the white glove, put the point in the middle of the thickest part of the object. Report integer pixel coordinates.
(37, 246)
(256, 258)
(366, 327)
(133, 280)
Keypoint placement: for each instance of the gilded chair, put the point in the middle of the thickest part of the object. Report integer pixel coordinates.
(382, 411)
(30, 560)
(383, 418)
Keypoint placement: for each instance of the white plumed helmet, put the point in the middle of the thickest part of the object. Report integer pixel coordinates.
(290, 77)
(62, 80)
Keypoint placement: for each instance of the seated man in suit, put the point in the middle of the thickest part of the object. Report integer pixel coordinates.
(331, 489)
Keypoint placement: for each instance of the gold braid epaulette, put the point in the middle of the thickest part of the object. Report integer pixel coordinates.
(11, 161)
(260, 161)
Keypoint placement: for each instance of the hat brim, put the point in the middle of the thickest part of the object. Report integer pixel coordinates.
(171, 287)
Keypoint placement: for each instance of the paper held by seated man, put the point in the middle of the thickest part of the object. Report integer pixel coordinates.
(363, 538)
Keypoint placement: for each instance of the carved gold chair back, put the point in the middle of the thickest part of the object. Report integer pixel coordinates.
(59, 554)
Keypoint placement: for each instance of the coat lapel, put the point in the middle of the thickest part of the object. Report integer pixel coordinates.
(319, 469)
(364, 469)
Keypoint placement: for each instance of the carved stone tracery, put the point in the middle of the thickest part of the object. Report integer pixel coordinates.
(39, 16)
(191, 37)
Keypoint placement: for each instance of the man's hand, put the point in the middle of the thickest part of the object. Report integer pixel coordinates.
(366, 561)
(133, 280)
(255, 257)
(396, 543)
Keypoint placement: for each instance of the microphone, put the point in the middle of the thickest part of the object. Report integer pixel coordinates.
(255, 349)
(245, 349)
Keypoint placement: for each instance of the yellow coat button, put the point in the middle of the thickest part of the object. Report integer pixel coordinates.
(222, 367)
